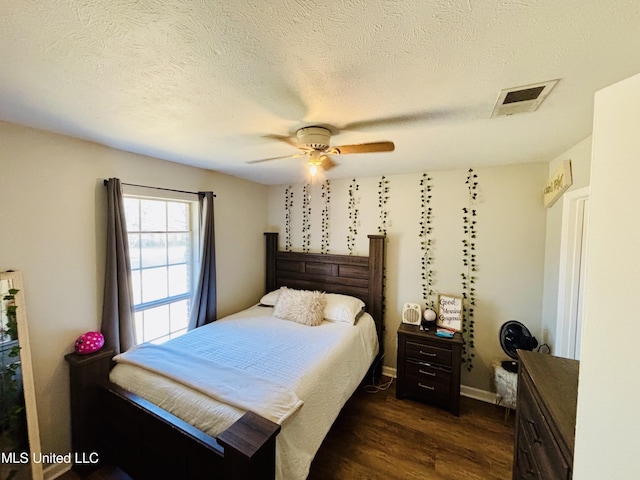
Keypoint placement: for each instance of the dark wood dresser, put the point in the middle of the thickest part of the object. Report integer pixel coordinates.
(546, 417)
(429, 367)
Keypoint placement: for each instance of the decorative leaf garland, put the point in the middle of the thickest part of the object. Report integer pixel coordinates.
(326, 197)
(288, 205)
(306, 214)
(469, 277)
(383, 197)
(426, 241)
(353, 216)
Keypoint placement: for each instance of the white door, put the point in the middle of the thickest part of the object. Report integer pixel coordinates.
(573, 252)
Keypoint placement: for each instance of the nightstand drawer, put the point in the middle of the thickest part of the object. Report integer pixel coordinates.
(428, 353)
(428, 390)
(424, 371)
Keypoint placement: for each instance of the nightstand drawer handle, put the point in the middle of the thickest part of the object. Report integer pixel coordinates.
(426, 386)
(431, 374)
(428, 354)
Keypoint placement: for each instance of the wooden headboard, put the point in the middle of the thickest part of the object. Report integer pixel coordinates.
(358, 276)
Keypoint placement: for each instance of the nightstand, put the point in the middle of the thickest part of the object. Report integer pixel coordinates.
(86, 373)
(429, 367)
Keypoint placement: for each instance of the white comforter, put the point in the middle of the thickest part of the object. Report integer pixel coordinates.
(221, 382)
(322, 365)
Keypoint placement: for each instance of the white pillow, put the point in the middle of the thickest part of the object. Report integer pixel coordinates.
(338, 308)
(301, 306)
(270, 299)
(342, 308)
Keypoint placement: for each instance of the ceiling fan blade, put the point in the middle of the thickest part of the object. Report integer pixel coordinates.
(362, 148)
(326, 163)
(284, 139)
(389, 121)
(295, 155)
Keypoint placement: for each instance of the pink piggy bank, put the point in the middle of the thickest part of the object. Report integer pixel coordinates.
(89, 342)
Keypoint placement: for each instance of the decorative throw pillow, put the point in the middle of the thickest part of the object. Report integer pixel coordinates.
(301, 306)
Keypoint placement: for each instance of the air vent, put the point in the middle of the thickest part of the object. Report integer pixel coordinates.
(522, 99)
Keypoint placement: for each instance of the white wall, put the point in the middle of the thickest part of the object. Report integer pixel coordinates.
(609, 385)
(52, 224)
(510, 245)
(580, 156)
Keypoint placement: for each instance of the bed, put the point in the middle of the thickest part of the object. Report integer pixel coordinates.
(144, 429)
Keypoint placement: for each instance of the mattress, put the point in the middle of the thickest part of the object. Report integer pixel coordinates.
(323, 365)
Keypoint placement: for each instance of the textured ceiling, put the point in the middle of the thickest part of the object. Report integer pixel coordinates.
(202, 82)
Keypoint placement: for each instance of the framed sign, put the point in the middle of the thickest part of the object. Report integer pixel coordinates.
(558, 183)
(450, 312)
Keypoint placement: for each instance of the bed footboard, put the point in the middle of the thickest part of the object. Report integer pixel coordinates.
(150, 443)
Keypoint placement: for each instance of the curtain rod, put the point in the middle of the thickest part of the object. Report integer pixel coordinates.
(106, 182)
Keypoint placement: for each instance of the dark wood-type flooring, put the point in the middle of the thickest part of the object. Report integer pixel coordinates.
(379, 437)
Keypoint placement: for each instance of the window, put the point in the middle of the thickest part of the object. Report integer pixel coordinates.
(162, 254)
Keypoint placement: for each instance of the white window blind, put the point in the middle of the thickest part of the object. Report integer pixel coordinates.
(163, 254)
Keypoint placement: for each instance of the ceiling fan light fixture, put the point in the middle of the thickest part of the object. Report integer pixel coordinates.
(314, 161)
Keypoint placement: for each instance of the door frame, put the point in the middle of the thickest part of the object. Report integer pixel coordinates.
(571, 271)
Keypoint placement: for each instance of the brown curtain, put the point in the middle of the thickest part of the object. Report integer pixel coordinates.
(117, 308)
(204, 300)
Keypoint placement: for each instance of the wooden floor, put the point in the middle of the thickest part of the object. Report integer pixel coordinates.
(379, 437)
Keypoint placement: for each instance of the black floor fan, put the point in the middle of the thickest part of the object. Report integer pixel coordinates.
(515, 336)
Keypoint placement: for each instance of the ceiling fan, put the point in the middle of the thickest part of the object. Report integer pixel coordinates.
(314, 143)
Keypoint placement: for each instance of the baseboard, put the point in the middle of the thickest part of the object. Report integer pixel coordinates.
(55, 470)
(477, 394)
(389, 371)
(465, 391)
